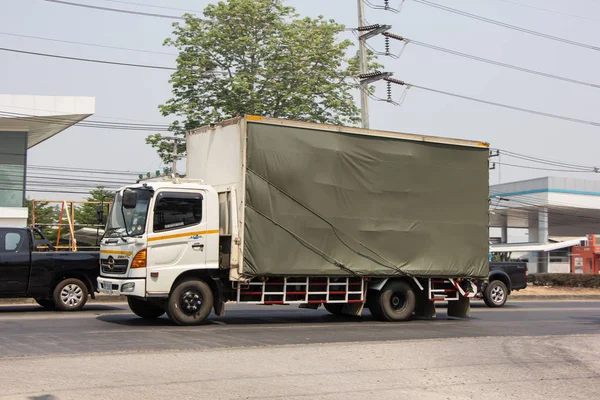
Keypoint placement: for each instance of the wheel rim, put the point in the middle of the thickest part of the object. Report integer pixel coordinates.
(398, 301)
(497, 294)
(191, 301)
(71, 295)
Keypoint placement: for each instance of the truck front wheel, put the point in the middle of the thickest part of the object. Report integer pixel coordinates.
(143, 309)
(190, 302)
(70, 295)
(395, 302)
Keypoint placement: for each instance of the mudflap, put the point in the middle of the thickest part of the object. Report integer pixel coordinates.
(219, 308)
(354, 309)
(424, 307)
(311, 306)
(460, 308)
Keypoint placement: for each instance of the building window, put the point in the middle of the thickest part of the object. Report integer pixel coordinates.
(13, 159)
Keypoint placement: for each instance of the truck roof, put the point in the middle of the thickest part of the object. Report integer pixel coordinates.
(178, 183)
(344, 129)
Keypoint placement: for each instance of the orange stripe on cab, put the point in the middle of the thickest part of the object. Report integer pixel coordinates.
(180, 235)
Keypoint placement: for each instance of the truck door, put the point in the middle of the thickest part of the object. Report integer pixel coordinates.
(14, 261)
(177, 238)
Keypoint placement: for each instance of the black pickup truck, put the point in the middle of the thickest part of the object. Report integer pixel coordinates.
(503, 279)
(30, 267)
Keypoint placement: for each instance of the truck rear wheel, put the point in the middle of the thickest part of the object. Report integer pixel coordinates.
(495, 294)
(143, 309)
(46, 303)
(395, 302)
(70, 295)
(190, 302)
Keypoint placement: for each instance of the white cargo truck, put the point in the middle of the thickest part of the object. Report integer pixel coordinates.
(284, 212)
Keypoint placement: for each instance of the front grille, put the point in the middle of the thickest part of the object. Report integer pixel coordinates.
(119, 267)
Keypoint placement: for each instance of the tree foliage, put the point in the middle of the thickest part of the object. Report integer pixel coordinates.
(258, 57)
(86, 213)
(45, 216)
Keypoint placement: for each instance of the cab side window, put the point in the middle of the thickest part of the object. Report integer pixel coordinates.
(12, 241)
(177, 210)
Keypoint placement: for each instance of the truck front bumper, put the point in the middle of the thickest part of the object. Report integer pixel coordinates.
(127, 287)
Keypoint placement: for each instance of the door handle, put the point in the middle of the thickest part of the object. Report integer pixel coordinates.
(198, 246)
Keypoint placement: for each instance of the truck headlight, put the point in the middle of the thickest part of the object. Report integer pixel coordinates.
(128, 287)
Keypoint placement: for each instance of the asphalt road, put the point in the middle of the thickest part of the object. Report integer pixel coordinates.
(527, 350)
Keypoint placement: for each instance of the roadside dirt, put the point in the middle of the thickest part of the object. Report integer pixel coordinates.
(555, 291)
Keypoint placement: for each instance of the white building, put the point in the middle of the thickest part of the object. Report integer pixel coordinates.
(562, 209)
(26, 121)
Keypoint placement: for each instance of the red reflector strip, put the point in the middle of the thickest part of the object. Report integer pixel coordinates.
(342, 292)
(293, 293)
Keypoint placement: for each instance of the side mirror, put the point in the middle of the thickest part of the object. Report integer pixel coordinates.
(129, 198)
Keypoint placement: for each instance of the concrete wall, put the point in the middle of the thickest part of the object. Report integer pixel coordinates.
(559, 268)
(13, 217)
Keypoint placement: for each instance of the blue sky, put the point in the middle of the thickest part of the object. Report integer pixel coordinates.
(134, 94)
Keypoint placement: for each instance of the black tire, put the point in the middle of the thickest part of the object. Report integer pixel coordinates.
(190, 302)
(70, 295)
(372, 298)
(46, 303)
(144, 309)
(334, 308)
(395, 302)
(495, 294)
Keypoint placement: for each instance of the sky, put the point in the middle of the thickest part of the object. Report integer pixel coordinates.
(133, 94)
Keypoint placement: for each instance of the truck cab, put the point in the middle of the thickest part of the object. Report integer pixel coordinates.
(156, 231)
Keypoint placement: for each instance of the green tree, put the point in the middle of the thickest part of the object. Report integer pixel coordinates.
(87, 214)
(258, 57)
(45, 216)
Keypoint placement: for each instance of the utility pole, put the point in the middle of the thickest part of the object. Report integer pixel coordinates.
(364, 96)
(175, 154)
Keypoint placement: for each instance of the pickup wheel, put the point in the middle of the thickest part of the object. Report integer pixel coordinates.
(70, 295)
(333, 308)
(46, 303)
(143, 309)
(190, 302)
(395, 302)
(495, 294)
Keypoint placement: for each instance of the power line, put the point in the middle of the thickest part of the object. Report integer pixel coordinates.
(501, 64)
(153, 6)
(540, 168)
(546, 161)
(53, 111)
(87, 44)
(115, 10)
(33, 53)
(547, 10)
(49, 120)
(47, 191)
(505, 25)
(507, 106)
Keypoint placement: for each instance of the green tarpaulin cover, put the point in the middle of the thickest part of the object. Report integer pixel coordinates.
(322, 203)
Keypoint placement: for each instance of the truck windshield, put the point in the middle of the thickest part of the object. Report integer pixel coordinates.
(128, 221)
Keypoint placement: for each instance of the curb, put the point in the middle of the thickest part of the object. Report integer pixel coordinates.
(103, 298)
(555, 297)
